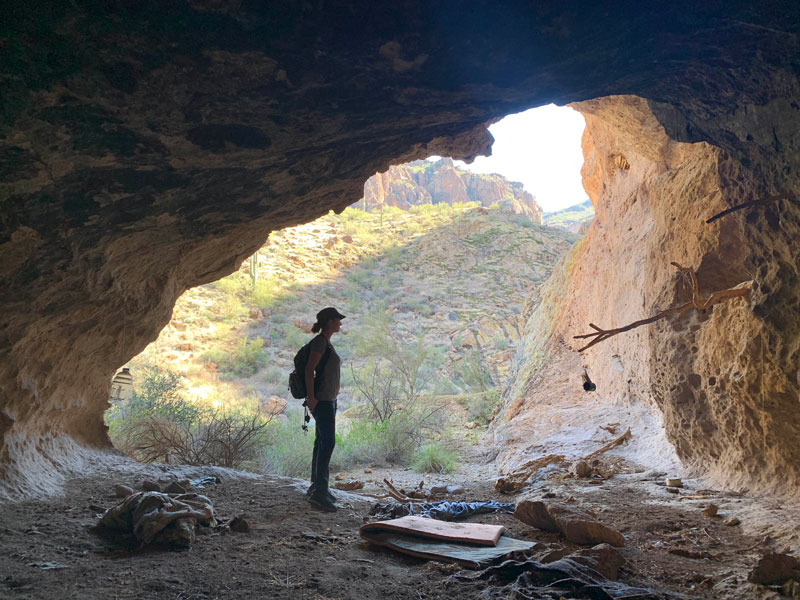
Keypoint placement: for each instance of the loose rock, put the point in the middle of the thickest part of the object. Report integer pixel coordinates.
(121, 491)
(175, 488)
(775, 569)
(150, 486)
(238, 524)
(711, 510)
(732, 522)
(582, 469)
(576, 526)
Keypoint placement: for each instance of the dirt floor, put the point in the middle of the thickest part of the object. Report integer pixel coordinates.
(47, 548)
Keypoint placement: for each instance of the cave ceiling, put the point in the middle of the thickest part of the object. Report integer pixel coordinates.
(147, 147)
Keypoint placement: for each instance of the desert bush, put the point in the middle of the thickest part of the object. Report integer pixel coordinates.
(244, 360)
(361, 277)
(159, 423)
(159, 393)
(480, 407)
(433, 458)
(393, 386)
(265, 292)
(291, 336)
(233, 285)
(229, 308)
(473, 373)
(216, 437)
(361, 442)
(289, 449)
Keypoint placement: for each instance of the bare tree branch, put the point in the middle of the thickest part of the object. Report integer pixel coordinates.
(761, 202)
(696, 302)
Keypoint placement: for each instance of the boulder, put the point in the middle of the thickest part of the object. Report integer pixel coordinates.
(575, 525)
(122, 491)
(775, 569)
(602, 558)
(274, 405)
(582, 469)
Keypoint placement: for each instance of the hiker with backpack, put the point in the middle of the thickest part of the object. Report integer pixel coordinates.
(322, 373)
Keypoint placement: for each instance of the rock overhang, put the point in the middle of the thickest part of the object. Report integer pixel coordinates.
(150, 148)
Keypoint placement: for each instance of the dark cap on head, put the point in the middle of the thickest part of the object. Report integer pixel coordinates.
(326, 314)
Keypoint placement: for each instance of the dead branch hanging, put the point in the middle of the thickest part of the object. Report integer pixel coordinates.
(761, 202)
(743, 289)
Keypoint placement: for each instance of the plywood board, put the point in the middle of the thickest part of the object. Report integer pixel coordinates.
(472, 533)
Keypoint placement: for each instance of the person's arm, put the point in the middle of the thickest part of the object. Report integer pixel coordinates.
(313, 360)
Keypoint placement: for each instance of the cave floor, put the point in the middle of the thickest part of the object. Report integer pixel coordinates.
(293, 551)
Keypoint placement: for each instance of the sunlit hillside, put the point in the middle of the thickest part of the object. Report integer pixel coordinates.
(432, 296)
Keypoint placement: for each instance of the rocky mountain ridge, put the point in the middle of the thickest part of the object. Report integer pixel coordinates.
(427, 182)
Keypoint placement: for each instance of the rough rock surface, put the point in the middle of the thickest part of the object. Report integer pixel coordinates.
(725, 379)
(150, 147)
(424, 182)
(575, 525)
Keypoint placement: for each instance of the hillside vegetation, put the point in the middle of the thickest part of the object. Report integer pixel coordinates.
(573, 218)
(432, 295)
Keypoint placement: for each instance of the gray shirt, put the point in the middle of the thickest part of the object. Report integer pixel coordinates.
(326, 382)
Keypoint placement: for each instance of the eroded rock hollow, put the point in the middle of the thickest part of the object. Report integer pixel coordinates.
(725, 379)
(149, 148)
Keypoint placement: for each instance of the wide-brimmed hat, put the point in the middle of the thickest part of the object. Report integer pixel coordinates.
(326, 314)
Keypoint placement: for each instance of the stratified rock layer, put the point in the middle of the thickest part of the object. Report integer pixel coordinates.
(424, 182)
(150, 147)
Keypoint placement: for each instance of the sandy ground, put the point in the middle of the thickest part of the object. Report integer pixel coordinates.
(47, 549)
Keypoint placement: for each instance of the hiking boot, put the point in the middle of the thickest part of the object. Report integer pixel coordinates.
(310, 492)
(323, 503)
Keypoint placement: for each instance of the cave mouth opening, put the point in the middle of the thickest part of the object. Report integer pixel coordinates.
(445, 271)
(433, 264)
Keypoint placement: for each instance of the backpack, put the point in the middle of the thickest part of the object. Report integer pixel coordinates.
(297, 378)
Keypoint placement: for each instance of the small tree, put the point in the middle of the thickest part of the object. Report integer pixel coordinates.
(395, 384)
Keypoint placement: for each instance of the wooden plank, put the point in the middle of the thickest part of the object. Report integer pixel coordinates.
(472, 533)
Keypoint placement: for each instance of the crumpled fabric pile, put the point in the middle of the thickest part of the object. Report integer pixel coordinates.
(157, 518)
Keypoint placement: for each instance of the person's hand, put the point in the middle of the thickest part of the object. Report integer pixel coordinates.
(311, 403)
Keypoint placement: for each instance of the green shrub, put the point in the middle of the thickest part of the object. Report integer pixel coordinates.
(228, 309)
(292, 337)
(232, 285)
(289, 449)
(275, 375)
(362, 442)
(159, 423)
(160, 394)
(473, 372)
(266, 292)
(246, 358)
(480, 407)
(432, 458)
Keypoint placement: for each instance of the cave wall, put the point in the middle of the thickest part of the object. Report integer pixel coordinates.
(724, 380)
(148, 147)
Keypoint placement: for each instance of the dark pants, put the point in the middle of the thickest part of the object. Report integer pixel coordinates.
(325, 418)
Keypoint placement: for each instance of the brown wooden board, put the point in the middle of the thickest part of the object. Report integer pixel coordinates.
(473, 533)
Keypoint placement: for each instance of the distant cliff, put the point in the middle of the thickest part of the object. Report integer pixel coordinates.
(426, 182)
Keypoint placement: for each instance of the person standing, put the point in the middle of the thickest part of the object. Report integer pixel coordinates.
(322, 382)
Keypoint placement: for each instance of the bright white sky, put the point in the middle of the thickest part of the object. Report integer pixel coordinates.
(541, 148)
